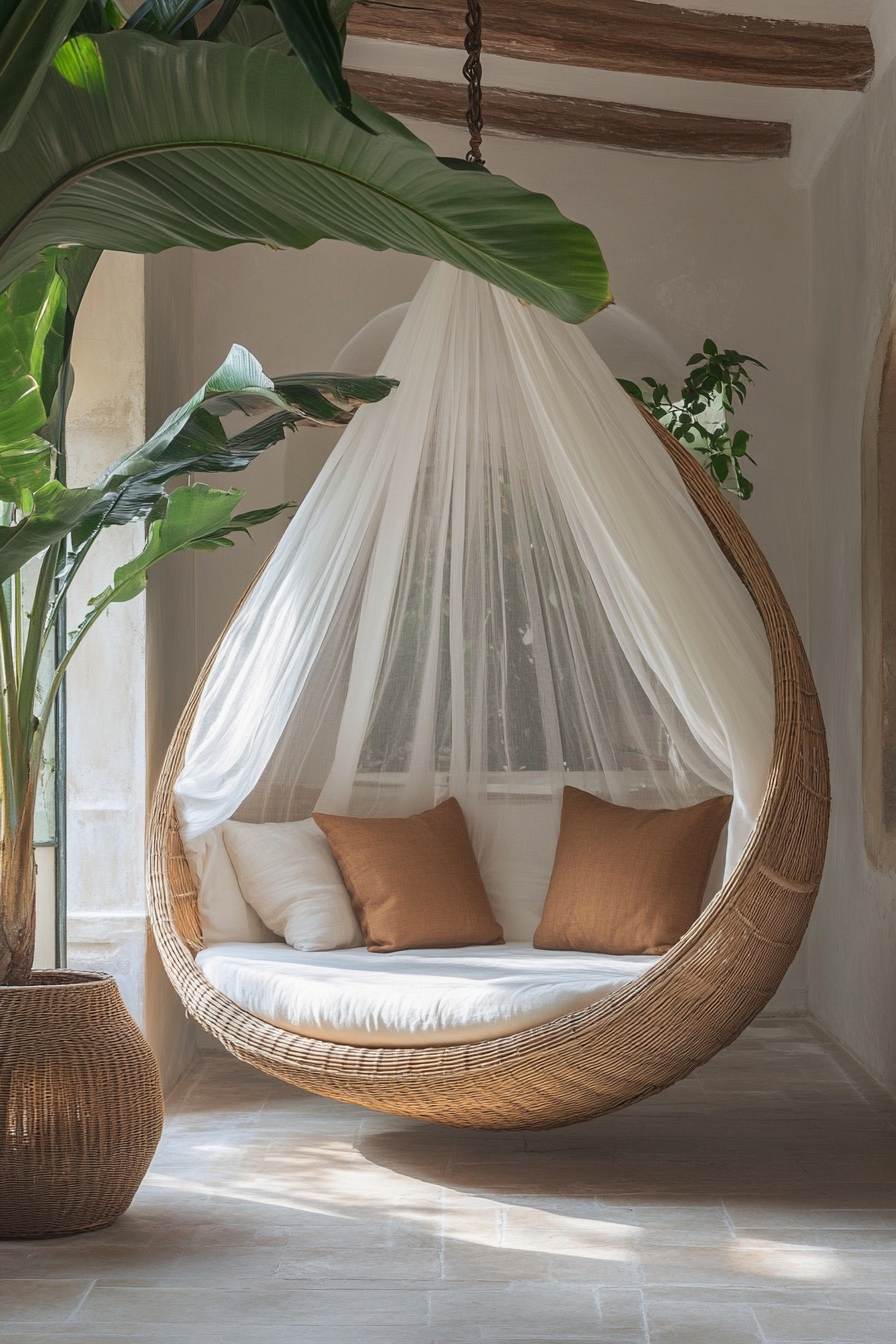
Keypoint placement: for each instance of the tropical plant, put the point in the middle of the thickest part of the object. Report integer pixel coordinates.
(48, 530)
(206, 123)
(165, 137)
(699, 418)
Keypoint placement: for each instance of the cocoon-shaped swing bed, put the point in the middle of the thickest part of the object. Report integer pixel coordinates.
(508, 579)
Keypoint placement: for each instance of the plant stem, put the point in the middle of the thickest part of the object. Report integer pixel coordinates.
(41, 729)
(17, 884)
(62, 592)
(6, 775)
(16, 621)
(15, 782)
(37, 638)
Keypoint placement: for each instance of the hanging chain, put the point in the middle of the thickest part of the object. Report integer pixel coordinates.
(473, 76)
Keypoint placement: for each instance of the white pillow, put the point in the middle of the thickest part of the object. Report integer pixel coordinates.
(286, 870)
(223, 913)
(515, 844)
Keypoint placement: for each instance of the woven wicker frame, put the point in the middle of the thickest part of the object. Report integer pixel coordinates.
(642, 1038)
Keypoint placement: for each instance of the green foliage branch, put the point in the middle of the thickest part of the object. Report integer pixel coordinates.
(699, 417)
(48, 529)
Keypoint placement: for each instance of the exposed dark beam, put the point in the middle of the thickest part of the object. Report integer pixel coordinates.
(648, 130)
(636, 36)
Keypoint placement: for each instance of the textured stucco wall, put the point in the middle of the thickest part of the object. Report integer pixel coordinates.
(852, 944)
(170, 610)
(105, 686)
(107, 709)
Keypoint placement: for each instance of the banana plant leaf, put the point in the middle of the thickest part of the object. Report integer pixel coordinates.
(29, 39)
(140, 174)
(191, 439)
(194, 517)
(316, 42)
(253, 26)
(56, 510)
(313, 30)
(32, 330)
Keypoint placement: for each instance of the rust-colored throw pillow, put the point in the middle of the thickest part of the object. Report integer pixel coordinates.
(414, 881)
(627, 880)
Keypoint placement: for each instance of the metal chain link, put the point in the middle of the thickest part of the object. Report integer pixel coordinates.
(473, 76)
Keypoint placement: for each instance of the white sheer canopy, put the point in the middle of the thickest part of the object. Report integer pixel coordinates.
(498, 585)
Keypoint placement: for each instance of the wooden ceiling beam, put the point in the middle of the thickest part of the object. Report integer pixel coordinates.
(635, 36)
(648, 130)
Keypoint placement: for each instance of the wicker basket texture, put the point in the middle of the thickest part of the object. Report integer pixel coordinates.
(646, 1036)
(80, 1105)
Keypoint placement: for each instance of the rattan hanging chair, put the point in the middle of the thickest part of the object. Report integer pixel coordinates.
(645, 1036)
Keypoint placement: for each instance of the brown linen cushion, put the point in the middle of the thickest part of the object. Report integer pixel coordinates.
(414, 881)
(628, 880)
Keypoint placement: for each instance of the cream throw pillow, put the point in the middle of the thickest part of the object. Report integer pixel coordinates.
(288, 874)
(223, 913)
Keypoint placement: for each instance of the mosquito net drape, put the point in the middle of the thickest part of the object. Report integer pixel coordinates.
(497, 586)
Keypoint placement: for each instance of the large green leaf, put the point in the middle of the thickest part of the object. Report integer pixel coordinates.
(33, 311)
(316, 42)
(74, 266)
(312, 32)
(56, 511)
(193, 517)
(227, 144)
(28, 42)
(191, 439)
(32, 322)
(253, 26)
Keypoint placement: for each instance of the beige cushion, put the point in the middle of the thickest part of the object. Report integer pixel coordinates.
(414, 881)
(625, 880)
(224, 913)
(289, 876)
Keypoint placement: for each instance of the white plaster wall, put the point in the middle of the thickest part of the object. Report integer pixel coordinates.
(852, 944)
(107, 710)
(694, 249)
(171, 659)
(105, 686)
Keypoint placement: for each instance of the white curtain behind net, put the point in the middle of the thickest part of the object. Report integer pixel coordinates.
(497, 586)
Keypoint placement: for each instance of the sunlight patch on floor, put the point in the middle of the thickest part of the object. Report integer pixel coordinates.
(781, 1260)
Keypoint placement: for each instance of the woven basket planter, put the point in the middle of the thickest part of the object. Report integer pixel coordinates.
(80, 1105)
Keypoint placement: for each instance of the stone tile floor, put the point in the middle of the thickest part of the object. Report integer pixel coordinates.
(755, 1201)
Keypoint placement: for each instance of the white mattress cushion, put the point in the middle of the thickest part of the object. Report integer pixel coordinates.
(224, 914)
(431, 997)
(287, 872)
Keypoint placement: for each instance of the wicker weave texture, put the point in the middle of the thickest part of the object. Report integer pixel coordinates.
(647, 1035)
(80, 1105)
